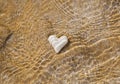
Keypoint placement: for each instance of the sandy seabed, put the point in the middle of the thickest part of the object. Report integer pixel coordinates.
(92, 55)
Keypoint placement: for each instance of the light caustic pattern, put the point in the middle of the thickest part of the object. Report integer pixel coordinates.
(92, 55)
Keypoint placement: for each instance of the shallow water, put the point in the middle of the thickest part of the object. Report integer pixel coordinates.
(92, 55)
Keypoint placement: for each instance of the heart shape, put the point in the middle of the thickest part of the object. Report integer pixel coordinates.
(57, 43)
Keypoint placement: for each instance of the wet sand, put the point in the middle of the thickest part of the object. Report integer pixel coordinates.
(92, 55)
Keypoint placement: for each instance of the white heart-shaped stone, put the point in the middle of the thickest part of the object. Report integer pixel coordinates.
(57, 43)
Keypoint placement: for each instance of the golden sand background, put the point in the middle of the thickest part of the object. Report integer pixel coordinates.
(92, 55)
